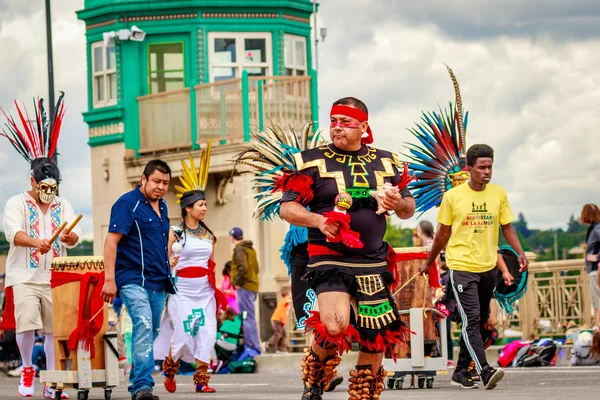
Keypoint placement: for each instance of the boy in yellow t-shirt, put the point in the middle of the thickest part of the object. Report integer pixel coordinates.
(278, 320)
(470, 218)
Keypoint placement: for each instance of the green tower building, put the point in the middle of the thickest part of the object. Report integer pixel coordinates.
(165, 76)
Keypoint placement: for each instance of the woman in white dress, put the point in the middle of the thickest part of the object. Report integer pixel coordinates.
(189, 327)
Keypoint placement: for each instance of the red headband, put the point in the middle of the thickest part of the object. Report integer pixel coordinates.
(355, 113)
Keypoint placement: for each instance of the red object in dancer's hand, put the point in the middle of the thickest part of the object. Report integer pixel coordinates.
(406, 177)
(441, 307)
(345, 235)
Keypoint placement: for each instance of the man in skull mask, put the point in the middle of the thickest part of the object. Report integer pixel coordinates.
(30, 220)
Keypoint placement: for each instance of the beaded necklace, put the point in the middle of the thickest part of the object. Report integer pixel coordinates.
(199, 232)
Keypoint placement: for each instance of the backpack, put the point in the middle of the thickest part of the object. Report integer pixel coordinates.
(540, 355)
(246, 366)
(580, 354)
(521, 354)
(509, 352)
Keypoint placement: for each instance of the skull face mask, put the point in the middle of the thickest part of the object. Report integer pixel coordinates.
(46, 190)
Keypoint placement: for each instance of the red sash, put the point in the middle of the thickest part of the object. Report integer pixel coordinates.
(87, 327)
(318, 250)
(8, 319)
(200, 272)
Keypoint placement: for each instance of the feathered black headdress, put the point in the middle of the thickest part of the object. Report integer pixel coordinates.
(36, 138)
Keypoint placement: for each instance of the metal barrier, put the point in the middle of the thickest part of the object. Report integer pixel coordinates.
(558, 293)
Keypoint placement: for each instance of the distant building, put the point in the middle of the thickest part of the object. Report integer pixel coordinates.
(164, 77)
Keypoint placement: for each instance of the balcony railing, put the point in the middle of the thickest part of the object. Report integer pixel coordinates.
(219, 110)
(225, 111)
(165, 120)
(283, 100)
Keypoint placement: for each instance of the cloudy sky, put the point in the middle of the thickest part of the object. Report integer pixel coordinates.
(528, 72)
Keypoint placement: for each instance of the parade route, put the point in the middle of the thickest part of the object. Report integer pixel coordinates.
(541, 383)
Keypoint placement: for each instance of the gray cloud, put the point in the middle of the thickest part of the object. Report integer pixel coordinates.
(473, 19)
(534, 99)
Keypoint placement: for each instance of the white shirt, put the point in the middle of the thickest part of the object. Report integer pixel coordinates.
(22, 214)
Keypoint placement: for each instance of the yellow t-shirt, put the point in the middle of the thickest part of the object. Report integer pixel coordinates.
(475, 219)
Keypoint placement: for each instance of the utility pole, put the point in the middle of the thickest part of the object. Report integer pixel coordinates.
(316, 36)
(555, 245)
(50, 62)
(50, 104)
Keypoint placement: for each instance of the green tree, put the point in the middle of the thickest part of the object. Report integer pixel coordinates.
(397, 236)
(4, 245)
(84, 248)
(521, 225)
(502, 241)
(574, 226)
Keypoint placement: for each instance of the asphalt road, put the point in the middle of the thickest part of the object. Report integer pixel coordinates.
(542, 383)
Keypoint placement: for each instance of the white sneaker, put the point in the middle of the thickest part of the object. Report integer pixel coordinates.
(26, 386)
(48, 393)
(16, 372)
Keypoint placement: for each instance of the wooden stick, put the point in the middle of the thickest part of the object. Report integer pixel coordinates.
(405, 284)
(53, 238)
(70, 228)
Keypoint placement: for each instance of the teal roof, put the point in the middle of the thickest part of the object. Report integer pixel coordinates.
(96, 8)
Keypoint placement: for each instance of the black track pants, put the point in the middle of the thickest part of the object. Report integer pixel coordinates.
(472, 292)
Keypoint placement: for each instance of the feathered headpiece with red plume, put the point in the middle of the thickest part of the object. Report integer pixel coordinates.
(38, 137)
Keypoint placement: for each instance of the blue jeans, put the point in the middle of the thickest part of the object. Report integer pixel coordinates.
(145, 309)
(38, 354)
(245, 300)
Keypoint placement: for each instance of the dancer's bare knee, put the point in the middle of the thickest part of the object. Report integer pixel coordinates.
(335, 323)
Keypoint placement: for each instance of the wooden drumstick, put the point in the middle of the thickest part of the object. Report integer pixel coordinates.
(70, 228)
(59, 230)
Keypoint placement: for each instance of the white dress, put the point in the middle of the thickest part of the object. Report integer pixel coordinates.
(189, 324)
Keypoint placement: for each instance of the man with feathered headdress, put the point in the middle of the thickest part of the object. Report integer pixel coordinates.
(30, 220)
(341, 192)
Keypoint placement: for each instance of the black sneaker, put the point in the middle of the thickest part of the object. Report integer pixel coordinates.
(463, 379)
(144, 394)
(312, 394)
(491, 376)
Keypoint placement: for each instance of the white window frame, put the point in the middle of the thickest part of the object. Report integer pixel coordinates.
(239, 49)
(106, 73)
(294, 66)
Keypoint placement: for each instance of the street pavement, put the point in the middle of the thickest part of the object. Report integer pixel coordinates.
(526, 383)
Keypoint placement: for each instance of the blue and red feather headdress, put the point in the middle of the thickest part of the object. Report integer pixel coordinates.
(439, 158)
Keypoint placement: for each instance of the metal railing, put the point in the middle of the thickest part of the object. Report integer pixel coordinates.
(284, 100)
(229, 109)
(225, 111)
(219, 110)
(165, 120)
(558, 292)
